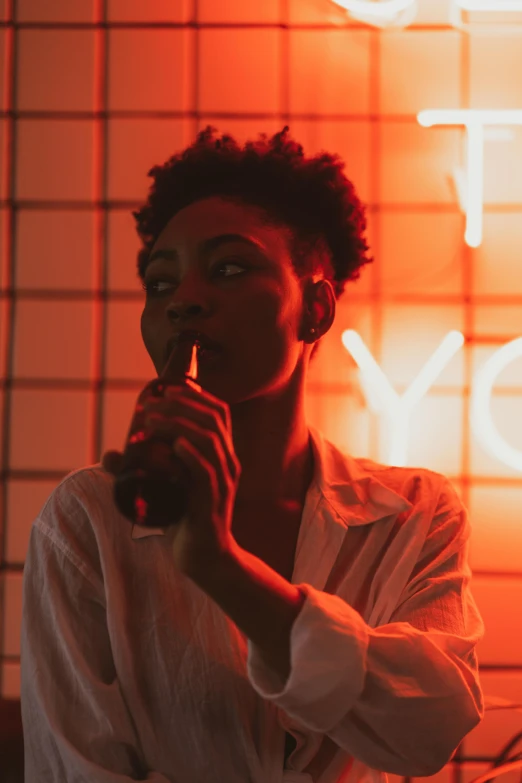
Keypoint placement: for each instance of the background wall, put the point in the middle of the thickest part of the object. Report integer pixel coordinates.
(93, 94)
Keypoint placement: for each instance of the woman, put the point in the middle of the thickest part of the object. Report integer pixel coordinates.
(310, 618)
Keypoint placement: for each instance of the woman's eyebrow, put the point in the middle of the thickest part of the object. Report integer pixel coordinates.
(207, 246)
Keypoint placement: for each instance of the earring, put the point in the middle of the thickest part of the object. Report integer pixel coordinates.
(312, 331)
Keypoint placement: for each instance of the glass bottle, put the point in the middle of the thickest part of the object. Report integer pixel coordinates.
(152, 486)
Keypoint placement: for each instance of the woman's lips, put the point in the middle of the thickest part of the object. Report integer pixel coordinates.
(206, 355)
(207, 345)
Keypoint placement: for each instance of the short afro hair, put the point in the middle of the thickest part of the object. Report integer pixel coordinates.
(310, 196)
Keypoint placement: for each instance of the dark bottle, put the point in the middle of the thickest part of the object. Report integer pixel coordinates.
(152, 486)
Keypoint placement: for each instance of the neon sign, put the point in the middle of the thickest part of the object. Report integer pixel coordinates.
(384, 400)
(380, 395)
(480, 413)
(470, 184)
(402, 12)
(386, 12)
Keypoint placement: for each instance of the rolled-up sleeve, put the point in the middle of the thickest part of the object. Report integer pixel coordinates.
(75, 722)
(399, 697)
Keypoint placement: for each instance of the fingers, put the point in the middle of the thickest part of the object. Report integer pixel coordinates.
(209, 460)
(208, 445)
(167, 414)
(203, 401)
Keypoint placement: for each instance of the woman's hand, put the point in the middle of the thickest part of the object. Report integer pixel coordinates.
(201, 431)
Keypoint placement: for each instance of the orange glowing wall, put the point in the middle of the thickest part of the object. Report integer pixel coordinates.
(93, 94)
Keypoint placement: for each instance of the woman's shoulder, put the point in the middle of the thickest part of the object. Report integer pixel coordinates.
(80, 492)
(73, 515)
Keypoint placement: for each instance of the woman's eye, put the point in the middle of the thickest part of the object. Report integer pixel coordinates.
(227, 263)
(149, 285)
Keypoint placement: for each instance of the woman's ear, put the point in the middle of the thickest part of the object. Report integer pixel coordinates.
(321, 305)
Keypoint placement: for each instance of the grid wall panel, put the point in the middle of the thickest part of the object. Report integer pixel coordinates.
(56, 70)
(421, 253)
(503, 167)
(94, 94)
(329, 71)
(402, 180)
(152, 11)
(54, 11)
(136, 57)
(408, 81)
(224, 54)
(54, 160)
(497, 267)
(497, 532)
(235, 11)
(55, 250)
(494, 60)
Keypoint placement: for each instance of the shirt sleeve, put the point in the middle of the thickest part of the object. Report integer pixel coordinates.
(76, 724)
(399, 697)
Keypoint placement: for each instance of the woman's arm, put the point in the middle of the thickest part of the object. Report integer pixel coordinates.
(399, 697)
(76, 725)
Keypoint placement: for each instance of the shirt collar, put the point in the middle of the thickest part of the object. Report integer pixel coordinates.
(349, 485)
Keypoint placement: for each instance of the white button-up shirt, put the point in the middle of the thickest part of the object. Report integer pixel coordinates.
(129, 671)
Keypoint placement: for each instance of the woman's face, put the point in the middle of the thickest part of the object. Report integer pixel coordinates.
(242, 292)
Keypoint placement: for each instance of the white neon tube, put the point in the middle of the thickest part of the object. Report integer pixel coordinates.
(480, 412)
(475, 184)
(384, 9)
(474, 120)
(430, 117)
(383, 398)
